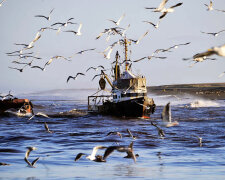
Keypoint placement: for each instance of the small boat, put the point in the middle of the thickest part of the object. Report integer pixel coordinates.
(18, 107)
(128, 96)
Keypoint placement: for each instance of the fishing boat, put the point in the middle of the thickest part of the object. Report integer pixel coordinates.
(18, 107)
(128, 95)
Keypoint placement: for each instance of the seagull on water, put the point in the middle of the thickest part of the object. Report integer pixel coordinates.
(93, 156)
(46, 17)
(118, 21)
(29, 149)
(213, 33)
(74, 77)
(78, 32)
(128, 150)
(166, 116)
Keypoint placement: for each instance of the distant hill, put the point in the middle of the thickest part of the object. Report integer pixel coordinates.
(209, 90)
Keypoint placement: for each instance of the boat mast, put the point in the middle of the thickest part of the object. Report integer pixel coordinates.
(125, 43)
(117, 55)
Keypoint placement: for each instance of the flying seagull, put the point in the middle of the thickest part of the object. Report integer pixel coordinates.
(154, 25)
(213, 33)
(39, 114)
(166, 116)
(128, 150)
(160, 8)
(64, 23)
(199, 140)
(2, 2)
(220, 51)
(169, 10)
(210, 6)
(29, 149)
(38, 67)
(130, 134)
(55, 57)
(137, 41)
(160, 131)
(93, 156)
(115, 133)
(20, 70)
(78, 32)
(74, 77)
(95, 68)
(118, 21)
(46, 17)
(46, 128)
(222, 74)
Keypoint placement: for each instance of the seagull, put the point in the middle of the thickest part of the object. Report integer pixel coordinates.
(128, 150)
(137, 41)
(29, 149)
(47, 129)
(78, 32)
(166, 116)
(154, 25)
(96, 76)
(82, 52)
(93, 156)
(160, 8)
(118, 21)
(130, 134)
(38, 67)
(55, 57)
(214, 34)
(220, 51)
(44, 28)
(177, 45)
(149, 58)
(169, 10)
(210, 8)
(20, 70)
(123, 33)
(160, 131)
(46, 17)
(115, 133)
(221, 74)
(95, 68)
(65, 23)
(1, 3)
(199, 140)
(17, 62)
(111, 31)
(39, 114)
(74, 77)
(4, 164)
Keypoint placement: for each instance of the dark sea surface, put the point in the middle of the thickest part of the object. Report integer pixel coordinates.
(177, 156)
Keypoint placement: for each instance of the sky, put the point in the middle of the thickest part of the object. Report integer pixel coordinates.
(19, 25)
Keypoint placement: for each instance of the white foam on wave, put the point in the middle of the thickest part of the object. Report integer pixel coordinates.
(204, 103)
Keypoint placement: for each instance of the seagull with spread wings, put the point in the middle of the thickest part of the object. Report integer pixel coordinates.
(78, 32)
(118, 21)
(74, 77)
(213, 33)
(46, 17)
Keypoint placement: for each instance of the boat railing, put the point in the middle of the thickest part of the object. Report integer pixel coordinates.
(95, 101)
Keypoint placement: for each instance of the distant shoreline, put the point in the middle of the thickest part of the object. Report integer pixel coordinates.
(205, 90)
